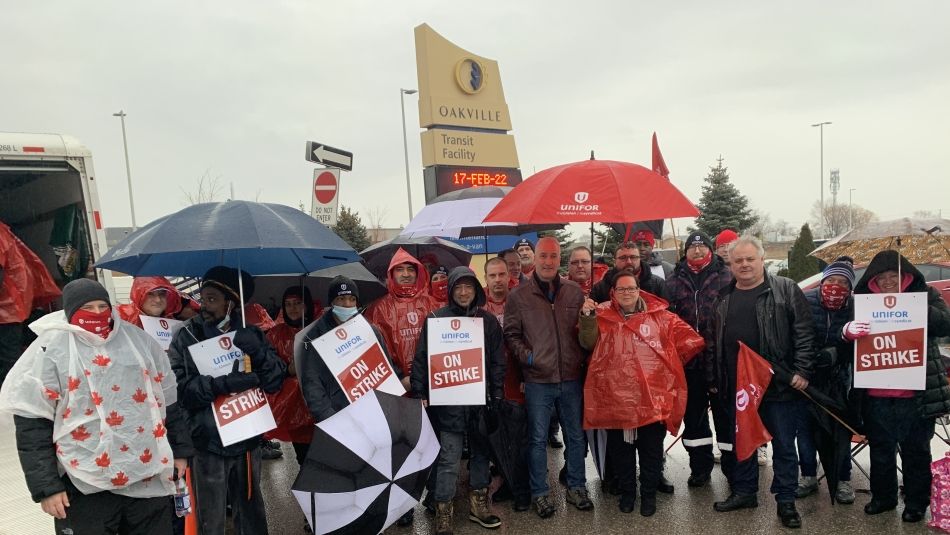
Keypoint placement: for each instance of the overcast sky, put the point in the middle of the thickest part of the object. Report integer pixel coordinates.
(237, 88)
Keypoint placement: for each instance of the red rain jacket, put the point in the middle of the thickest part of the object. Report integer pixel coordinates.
(141, 286)
(400, 319)
(294, 423)
(27, 283)
(635, 376)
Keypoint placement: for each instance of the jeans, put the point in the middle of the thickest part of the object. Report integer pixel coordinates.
(808, 453)
(780, 419)
(448, 464)
(892, 422)
(540, 400)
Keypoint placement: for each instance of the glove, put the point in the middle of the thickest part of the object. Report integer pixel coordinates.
(247, 341)
(855, 329)
(236, 381)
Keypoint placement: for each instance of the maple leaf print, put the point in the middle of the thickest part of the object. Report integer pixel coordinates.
(114, 419)
(74, 463)
(73, 383)
(139, 396)
(158, 378)
(159, 430)
(103, 460)
(115, 388)
(50, 393)
(124, 448)
(120, 479)
(96, 398)
(79, 434)
(67, 412)
(89, 412)
(101, 360)
(146, 456)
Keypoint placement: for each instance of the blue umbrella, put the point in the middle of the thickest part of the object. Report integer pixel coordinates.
(259, 238)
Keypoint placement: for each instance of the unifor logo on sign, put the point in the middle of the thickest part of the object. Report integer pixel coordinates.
(225, 343)
(340, 333)
(163, 323)
(456, 324)
(890, 301)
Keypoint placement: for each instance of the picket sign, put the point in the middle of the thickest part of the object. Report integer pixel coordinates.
(894, 354)
(356, 360)
(456, 361)
(162, 330)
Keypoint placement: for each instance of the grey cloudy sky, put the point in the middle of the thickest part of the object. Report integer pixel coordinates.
(236, 89)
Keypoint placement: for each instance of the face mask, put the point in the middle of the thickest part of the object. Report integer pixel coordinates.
(834, 296)
(344, 313)
(404, 290)
(440, 290)
(226, 319)
(698, 265)
(94, 322)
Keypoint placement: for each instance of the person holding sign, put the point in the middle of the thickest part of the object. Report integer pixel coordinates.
(224, 474)
(636, 384)
(897, 417)
(322, 392)
(466, 297)
(151, 296)
(98, 425)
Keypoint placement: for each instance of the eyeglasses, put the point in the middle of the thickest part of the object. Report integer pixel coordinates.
(627, 258)
(627, 290)
(579, 262)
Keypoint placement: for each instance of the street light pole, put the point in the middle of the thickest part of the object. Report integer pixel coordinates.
(850, 209)
(821, 177)
(405, 142)
(128, 170)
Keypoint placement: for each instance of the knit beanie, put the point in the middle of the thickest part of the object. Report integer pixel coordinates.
(341, 285)
(81, 291)
(726, 237)
(226, 279)
(523, 241)
(842, 268)
(697, 237)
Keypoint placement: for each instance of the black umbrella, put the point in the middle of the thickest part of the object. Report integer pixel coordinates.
(269, 289)
(367, 465)
(507, 430)
(436, 250)
(833, 430)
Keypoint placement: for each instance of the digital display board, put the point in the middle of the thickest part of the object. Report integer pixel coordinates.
(440, 179)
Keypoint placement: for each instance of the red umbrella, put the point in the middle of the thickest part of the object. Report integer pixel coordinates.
(593, 191)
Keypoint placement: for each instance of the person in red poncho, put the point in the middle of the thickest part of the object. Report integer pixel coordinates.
(150, 296)
(579, 268)
(439, 285)
(25, 284)
(636, 386)
(401, 314)
(294, 423)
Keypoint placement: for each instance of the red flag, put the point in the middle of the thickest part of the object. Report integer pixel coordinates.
(753, 375)
(659, 166)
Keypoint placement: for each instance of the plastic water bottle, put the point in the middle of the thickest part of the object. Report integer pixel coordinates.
(182, 498)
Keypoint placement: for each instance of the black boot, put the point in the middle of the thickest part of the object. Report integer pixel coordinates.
(790, 517)
(647, 505)
(735, 502)
(665, 485)
(627, 502)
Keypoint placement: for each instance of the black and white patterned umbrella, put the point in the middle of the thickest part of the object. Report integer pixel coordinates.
(367, 465)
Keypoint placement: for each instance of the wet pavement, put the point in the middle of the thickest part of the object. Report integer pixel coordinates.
(685, 511)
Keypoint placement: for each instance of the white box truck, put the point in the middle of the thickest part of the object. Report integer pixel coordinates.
(48, 197)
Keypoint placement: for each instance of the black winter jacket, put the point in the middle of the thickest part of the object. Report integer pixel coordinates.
(455, 418)
(194, 390)
(320, 389)
(934, 400)
(648, 282)
(786, 335)
(692, 296)
(832, 349)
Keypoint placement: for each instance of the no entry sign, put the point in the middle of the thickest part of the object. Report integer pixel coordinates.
(325, 199)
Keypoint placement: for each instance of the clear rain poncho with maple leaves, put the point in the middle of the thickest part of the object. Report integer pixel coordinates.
(107, 400)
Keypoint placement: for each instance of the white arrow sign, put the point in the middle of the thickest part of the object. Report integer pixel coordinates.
(327, 155)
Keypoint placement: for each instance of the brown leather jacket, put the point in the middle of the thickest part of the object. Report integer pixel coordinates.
(542, 334)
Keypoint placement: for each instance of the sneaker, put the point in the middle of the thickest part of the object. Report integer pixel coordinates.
(808, 485)
(579, 498)
(844, 493)
(763, 455)
(543, 506)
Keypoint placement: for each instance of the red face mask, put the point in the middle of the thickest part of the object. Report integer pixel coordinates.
(96, 323)
(404, 290)
(698, 265)
(834, 296)
(440, 290)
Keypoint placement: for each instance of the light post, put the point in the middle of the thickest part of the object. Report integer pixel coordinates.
(821, 178)
(405, 141)
(128, 170)
(850, 210)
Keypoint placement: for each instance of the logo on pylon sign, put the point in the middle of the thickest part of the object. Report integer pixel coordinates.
(470, 75)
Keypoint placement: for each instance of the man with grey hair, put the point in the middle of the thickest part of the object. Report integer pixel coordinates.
(770, 315)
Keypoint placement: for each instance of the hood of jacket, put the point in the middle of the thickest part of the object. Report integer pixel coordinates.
(888, 260)
(141, 286)
(422, 275)
(652, 302)
(455, 276)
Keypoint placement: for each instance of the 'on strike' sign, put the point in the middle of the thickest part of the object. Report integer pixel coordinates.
(456, 361)
(894, 354)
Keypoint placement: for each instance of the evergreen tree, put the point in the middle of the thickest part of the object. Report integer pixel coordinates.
(722, 206)
(800, 265)
(351, 229)
(606, 241)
